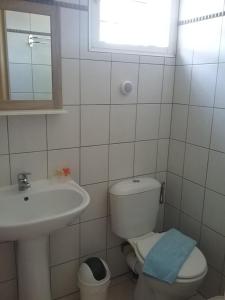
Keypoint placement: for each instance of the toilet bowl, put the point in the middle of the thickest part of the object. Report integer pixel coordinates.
(134, 206)
(188, 280)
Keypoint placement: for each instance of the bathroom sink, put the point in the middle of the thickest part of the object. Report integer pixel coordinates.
(28, 217)
(48, 205)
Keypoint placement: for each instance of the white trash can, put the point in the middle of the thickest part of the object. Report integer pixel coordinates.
(94, 279)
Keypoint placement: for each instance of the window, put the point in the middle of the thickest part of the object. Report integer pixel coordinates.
(135, 26)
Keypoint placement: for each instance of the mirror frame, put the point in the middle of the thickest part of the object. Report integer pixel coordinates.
(43, 9)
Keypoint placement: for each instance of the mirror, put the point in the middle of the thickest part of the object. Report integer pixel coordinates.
(30, 56)
(28, 52)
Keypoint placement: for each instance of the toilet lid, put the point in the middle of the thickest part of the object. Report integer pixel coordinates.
(194, 266)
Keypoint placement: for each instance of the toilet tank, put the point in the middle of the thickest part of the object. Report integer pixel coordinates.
(134, 206)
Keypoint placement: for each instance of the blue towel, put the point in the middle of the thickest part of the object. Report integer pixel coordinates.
(167, 256)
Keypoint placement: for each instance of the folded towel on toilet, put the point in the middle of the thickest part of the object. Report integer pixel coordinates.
(168, 255)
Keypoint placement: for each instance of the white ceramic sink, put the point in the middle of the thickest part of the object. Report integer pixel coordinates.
(45, 207)
(29, 217)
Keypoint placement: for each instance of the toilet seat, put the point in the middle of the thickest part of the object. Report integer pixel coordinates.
(194, 268)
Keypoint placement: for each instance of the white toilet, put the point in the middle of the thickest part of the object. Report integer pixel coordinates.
(134, 205)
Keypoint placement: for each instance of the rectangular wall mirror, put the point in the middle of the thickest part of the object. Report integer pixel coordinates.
(30, 63)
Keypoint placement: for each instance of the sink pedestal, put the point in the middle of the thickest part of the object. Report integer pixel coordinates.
(33, 269)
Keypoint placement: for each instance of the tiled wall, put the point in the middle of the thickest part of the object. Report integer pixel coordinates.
(196, 164)
(104, 137)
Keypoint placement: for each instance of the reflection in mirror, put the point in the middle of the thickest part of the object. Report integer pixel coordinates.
(28, 40)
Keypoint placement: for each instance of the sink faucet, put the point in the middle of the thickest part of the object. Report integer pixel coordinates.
(23, 182)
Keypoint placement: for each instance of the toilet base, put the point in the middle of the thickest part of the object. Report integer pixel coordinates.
(151, 289)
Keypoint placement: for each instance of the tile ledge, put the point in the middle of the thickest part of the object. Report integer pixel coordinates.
(32, 112)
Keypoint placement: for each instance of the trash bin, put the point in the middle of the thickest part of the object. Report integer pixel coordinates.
(93, 279)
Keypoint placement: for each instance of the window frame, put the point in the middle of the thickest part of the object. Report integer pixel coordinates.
(99, 46)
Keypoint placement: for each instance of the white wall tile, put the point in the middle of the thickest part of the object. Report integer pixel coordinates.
(64, 245)
(70, 1)
(112, 239)
(93, 236)
(64, 158)
(76, 296)
(190, 227)
(117, 262)
(17, 20)
(42, 79)
(147, 121)
(122, 123)
(176, 157)
(220, 88)
(42, 54)
(168, 83)
(217, 139)
(7, 261)
(18, 48)
(153, 60)
(162, 158)
(95, 82)
(94, 164)
(206, 46)
(69, 19)
(4, 170)
(185, 44)
(214, 209)
(182, 84)
(216, 172)
(145, 157)
(173, 190)
(165, 121)
(222, 44)
(214, 255)
(212, 283)
(94, 125)
(8, 290)
(4, 149)
(125, 57)
(150, 83)
(70, 82)
(203, 84)
(64, 130)
(21, 96)
(160, 219)
(179, 121)
(98, 201)
(171, 217)
(120, 73)
(43, 96)
(199, 125)
(20, 78)
(195, 165)
(27, 133)
(192, 199)
(64, 279)
(121, 158)
(40, 23)
(34, 162)
(101, 254)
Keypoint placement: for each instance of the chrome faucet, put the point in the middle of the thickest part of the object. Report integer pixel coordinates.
(23, 182)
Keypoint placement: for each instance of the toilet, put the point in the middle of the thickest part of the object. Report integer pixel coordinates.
(134, 205)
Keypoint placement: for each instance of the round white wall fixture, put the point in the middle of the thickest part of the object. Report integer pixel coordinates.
(126, 87)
